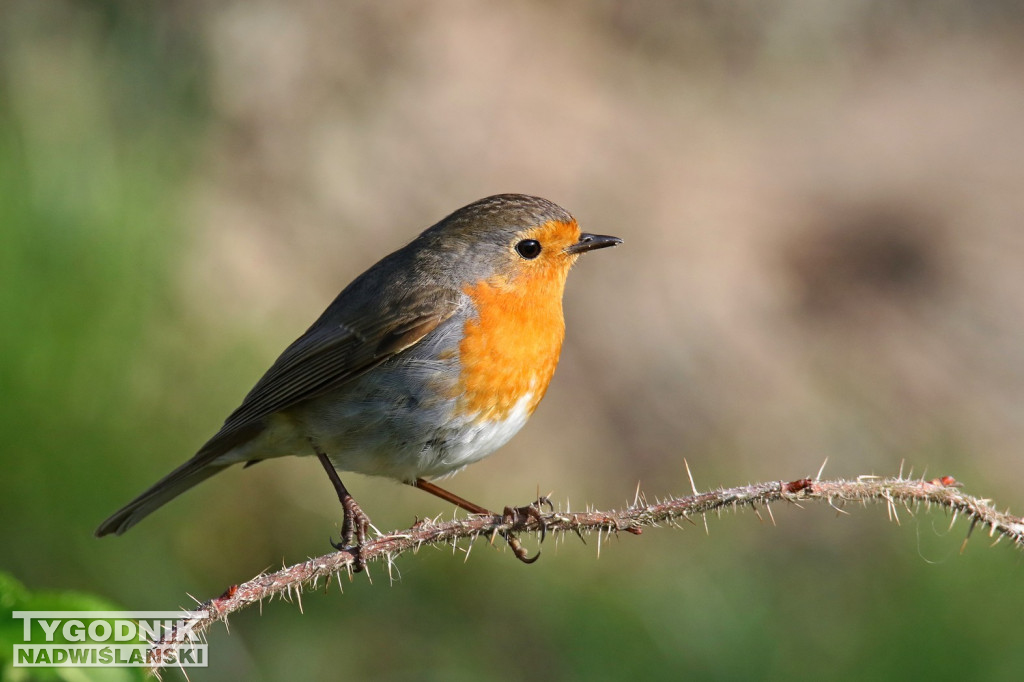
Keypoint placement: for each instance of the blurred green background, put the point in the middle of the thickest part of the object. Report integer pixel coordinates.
(822, 207)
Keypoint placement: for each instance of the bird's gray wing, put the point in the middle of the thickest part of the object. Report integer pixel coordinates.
(341, 345)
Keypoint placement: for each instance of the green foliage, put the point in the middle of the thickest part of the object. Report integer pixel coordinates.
(16, 597)
(96, 136)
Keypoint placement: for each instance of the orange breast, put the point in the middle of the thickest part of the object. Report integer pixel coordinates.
(511, 348)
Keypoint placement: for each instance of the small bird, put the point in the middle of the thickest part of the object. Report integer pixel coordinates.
(429, 361)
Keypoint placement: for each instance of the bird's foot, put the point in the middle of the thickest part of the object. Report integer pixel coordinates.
(353, 530)
(519, 517)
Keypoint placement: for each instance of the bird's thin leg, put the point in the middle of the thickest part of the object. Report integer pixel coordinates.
(450, 497)
(510, 516)
(356, 523)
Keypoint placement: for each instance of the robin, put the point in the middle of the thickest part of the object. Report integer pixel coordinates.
(429, 361)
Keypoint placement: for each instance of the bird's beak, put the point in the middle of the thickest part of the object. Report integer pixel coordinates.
(589, 242)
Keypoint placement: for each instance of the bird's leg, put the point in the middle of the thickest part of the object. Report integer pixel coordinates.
(356, 522)
(511, 515)
(517, 515)
(450, 497)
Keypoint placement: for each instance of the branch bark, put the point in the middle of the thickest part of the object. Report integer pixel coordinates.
(895, 493)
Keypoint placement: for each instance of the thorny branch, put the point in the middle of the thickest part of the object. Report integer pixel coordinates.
(897, 493)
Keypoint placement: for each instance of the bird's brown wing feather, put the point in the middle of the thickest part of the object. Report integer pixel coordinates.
(333, 351)
(339, 346)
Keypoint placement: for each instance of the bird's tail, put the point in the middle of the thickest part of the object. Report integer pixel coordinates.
(166, 489)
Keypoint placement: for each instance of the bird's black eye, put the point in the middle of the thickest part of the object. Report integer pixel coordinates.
(528, 248)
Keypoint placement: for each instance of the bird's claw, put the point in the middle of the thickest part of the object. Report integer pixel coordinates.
(353, 531)
(519, 516)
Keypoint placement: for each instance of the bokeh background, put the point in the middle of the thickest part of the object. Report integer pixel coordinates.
(822, 210)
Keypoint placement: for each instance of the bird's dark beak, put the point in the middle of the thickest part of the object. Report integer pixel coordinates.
(589, 242)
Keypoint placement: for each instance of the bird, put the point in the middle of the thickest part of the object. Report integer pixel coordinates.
(429, 361)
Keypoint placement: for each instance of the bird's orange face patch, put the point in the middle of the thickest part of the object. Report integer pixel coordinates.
(555, 236)
(510, 348)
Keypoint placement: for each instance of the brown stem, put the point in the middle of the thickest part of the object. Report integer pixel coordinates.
(897, 493)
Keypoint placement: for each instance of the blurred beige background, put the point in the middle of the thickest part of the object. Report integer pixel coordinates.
(821, 206)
